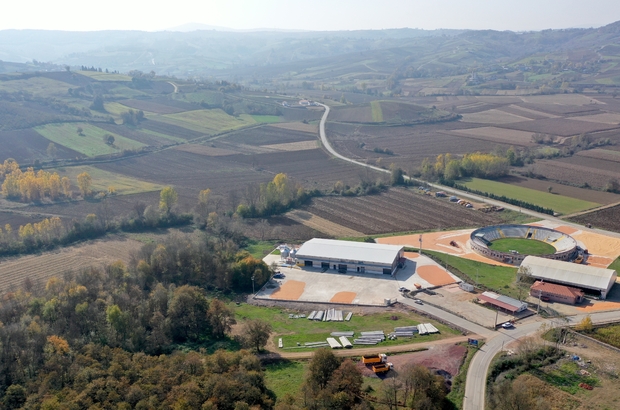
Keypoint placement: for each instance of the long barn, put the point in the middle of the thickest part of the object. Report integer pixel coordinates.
(592, 279)
(345, 256)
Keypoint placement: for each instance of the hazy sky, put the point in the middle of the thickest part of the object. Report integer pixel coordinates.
(308, 14)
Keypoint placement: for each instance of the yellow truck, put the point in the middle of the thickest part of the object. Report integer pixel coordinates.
(374, 358)
(382, 367)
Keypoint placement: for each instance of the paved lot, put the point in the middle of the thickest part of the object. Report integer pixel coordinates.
(312, 285)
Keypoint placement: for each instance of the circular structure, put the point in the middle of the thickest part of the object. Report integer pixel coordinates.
(480, 240)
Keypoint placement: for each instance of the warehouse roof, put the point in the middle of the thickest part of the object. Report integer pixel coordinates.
(570, 273)
(505, 302)
(349, 251)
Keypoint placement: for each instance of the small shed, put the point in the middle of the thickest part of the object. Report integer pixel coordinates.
(503, 302)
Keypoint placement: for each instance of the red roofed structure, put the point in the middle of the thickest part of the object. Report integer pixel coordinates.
(556, 293)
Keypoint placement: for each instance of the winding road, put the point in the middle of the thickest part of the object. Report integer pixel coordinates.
(475, 388)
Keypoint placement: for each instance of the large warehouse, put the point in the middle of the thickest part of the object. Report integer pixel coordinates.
(572, 274)
(344, 256)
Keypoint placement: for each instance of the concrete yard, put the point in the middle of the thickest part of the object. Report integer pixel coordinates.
(312, 285)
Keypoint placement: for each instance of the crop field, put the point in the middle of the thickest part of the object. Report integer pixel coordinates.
(298, 126)
(208, 120)
(585, 194)
(90, 143)
(266, 119)
(498, 135)
(493, 116)
(605, 118)
(558, 203)
(268, 135)
(525, 112)
(40, 268)
(521, 245)
(559, 126)
(141, 135)
(205, 150)
(105, 76)
(608, 218)
(573, 173)
(169, 129)
(150, 106)
(601, 154)
(25, 146)
(101, 180)
(397, 210)
(40, 86)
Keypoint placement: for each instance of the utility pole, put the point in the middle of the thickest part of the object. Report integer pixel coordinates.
(539, 293)
(420, 244)
(496, 315)
(253, 285)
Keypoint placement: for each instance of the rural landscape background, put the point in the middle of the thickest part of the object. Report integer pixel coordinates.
(145, 175)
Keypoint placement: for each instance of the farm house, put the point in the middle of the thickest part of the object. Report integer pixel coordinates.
(589, 278)
(345, 256)
(553, 292)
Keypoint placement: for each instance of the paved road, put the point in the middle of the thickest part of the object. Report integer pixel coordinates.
(370, 350)
(475, 388)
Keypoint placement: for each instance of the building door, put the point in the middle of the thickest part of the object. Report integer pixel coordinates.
(307, 263)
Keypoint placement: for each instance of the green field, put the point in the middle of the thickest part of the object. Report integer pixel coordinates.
(266, 119)
(499, 278)
(90, 143)
(377, 113)
(104, 179)
(207, 121)
(285, 377)
(95, 75)
(117, 109)
(522, 245)
(40, 86)
(615, 265)
(293, 331)
(559, 203)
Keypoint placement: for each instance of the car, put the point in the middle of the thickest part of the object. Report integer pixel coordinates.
(507, 325)
(403, 289)
(278, 276)
(418, 301)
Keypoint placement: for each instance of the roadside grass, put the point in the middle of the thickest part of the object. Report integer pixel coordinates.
(293, 331)
(566, 377)
(377, 113)
(559, 203)
(104, 179)
(499, 278)
(457, 391)
(522, 245)
(207, 120)
(285, 377)
(90, 143)
(608, 334)
(95, 75)
(615, 265)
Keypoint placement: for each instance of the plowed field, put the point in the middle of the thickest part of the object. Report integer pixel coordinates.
(574, 174)
(397, 210)
(608, 218)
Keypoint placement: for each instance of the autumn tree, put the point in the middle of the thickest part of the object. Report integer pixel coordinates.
(167, 199)
(256, 333)
(321, 367)
(84, 182)
(188, 314)
(52, 151)
(221, 318)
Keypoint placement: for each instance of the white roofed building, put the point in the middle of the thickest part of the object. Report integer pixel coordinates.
(345, 256)
(571, 274)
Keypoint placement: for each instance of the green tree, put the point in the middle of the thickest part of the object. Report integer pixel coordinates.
(256, 333)
(322, 366)
(221, 318)
(167, 199)
(188, 314)
(15, 396)
(52, 151)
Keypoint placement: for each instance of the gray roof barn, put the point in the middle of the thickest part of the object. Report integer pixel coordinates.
(349, 251)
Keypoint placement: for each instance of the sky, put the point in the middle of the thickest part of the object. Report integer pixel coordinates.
(317, 15)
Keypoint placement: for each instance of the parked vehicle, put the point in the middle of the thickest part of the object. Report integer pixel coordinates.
(374, 358)
(507, 325)
(418, 301)
(382, 367)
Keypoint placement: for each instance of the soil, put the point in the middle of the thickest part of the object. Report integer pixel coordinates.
(151, 106)
(558, 126)
(290, 290)
(343, 297)
(608, 218)
(434, 275)
(25, 146)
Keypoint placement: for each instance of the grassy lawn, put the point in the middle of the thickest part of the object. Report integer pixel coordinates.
(521, 245)
(293, 331)
(90, 143)
(566, 377)
(559, 203)
(500, 278)
(104, 179)
(208, 120)
(377, 113)
(285, 377)
(615, 265)
(259, 249)
(95, 75)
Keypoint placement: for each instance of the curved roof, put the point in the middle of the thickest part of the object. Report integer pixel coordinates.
(350, 251)
(583, 276)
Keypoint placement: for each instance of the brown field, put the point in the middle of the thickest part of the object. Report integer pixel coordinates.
(397, 210)
(205, 150)
(39, 268)
(608, 218)
(601, 154)
(293, 146)
(494, 134)
(558, 126)
(560, 99)
(151, 106)
(434, 275)
(343, 297)
(170, 129)
(573, 174)
(290, 290)
(268, 135)
(591, 195)
(560, 109)
(136, 134)
(493, 116)
(605, 118)
(525, 112)
(297, 126)
(25, 146)
(320, 224)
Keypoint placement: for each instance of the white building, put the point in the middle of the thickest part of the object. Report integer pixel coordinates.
(345, 256)
(571, 274)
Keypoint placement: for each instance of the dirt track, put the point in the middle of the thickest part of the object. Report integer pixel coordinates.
(371, 350)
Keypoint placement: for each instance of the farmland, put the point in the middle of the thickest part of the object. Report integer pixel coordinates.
(397, 210)
(90, 142)
(608, 218)
(558, 203)
(102, 180)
